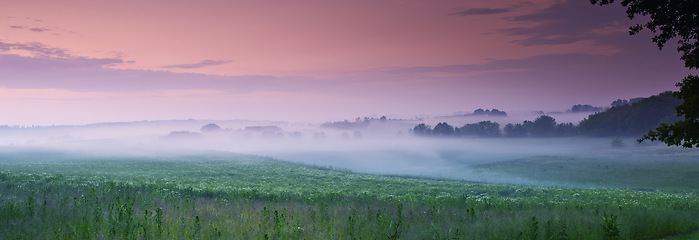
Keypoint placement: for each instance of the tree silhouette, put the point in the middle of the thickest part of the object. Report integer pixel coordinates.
(565, 130)
(676, 19)
(633, 120)
(482, 129)
(422, 130)
(443, 129)
(684, 132)
(543, 126)
(516, 130)
(211, 127)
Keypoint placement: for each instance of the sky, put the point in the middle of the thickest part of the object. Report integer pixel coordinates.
(79, 61)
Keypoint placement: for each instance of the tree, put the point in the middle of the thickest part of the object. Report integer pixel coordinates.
(489, 129)
(676, 19)
(635, 119)
(585, 108)
(565, 130)
(543, 126)
(211, 127)
(497, 113)
(684, 132)
(422, 130)
(481, 129)
(516, 130)
(443, 129)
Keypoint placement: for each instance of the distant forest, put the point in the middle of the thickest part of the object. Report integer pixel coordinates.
(633, 119)
(625, 118)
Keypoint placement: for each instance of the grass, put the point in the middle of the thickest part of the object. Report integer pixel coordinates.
(670, 174)
(691, 236)
(226, 196)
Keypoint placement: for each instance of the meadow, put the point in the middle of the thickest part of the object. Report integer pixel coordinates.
(644, 168)
(219, 195)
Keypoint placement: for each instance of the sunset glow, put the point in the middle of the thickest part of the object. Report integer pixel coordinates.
(76, 62)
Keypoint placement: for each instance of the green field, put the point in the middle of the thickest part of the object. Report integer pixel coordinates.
(216, 195)
(674, 174)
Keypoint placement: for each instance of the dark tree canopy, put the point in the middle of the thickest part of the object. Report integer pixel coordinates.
(543, 126)
(620, 102)
(491, 113)
(673, 19)
(515, 130)
(481, 129)
(565, 130)
(585, 108)
(684, 132)
(633, 120)
(422, 130)
(211, 127)
(443, 129)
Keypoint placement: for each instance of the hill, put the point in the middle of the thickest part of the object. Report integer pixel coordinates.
(634, 119)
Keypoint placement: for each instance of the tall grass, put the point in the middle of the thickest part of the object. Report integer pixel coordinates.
(240, 198)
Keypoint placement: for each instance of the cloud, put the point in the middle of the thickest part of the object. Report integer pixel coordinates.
(482, 11)
(201, 64)
(36, 49)
(94, 74)
(33, 29)
(37, 29)
(566, 22)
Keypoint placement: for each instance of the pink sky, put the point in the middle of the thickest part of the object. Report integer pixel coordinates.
(75, 62)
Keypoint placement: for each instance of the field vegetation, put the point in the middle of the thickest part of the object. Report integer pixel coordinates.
(215, 195)
(673, 174)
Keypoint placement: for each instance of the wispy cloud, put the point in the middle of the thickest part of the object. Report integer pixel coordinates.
(36, 49)
(33, 29)
(482, 11)
(94, 74)
(38, 29)
(201, 64)
(565, 22)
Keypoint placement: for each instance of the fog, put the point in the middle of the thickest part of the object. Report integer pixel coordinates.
(379, 147)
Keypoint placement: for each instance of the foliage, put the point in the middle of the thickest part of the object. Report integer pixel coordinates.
(673, 20)
(634, 119)
(565, 130)
(211, 127)
(621, 102)
(656, 168)
(357, 124)
(611, 227)
(224, 196)
(617, 142)
(515, 130)
(585, 108)
(443, 129)
(481, 129)
(490, 113)
(422, 130)
(684, 132)
(543, 126)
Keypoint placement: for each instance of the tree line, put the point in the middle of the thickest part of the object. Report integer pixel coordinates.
(621, 120)
(543, 126)
(634, 119)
